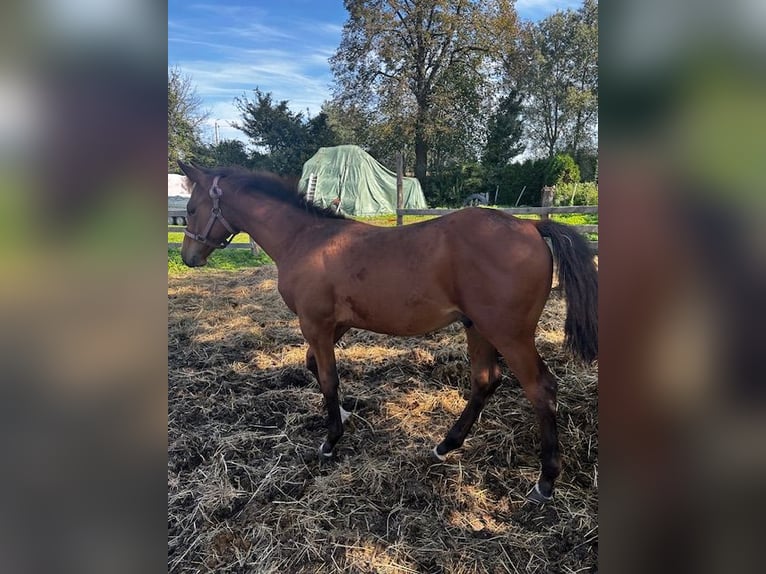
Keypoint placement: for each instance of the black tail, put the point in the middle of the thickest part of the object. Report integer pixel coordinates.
(579, 279)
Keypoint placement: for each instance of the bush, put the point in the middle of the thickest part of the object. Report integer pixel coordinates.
(584, 194)
(562, 170)
(588, 164)
(451, 185)
(524, 181)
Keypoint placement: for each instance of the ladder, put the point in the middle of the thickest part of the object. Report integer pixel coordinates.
(311, 191)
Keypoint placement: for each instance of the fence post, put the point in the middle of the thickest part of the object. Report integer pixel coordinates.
(399, 187)
(546, 200)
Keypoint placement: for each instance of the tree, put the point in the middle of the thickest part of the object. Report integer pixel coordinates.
(407, 60)
(185, 118)
(288, 137)
(504, 134)
(228, 152)
(583, 94)
(544, 79)
(556, 68)
(351, 123)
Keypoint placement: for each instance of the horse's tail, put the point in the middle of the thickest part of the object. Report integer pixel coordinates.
(579, 279)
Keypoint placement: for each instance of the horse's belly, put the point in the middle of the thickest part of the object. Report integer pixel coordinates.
(399, 318)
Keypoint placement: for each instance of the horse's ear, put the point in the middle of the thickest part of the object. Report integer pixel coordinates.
(192, 171)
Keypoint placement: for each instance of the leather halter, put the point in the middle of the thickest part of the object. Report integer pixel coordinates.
(215, 215)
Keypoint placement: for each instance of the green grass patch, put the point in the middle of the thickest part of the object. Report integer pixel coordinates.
(178, 237)
(576, 218)
(389, 220)
(226, 259)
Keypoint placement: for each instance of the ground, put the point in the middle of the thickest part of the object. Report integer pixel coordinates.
(247, 493)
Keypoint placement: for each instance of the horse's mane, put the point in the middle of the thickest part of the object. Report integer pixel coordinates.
(281, 188)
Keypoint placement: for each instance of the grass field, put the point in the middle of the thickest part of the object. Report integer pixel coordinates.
(242, 258)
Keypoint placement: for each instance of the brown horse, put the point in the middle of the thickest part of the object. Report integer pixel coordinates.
(487, 269)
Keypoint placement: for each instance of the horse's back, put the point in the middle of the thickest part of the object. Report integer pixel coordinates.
(484, 239)
(503, 267)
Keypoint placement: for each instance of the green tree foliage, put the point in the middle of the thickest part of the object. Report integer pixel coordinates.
(523, 182)
(583, 93)
(418, 66)
(354, 124)
(588, 164)
(504, 137)
(556, 68)
(185, 118)
(451, 186)
(225, 153)
(350, 123)
(579, 193)
(562, 169)
(288, 138)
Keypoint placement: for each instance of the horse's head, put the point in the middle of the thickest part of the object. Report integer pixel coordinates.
(206, 227)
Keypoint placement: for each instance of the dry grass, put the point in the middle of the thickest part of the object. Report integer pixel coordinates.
(246, 492)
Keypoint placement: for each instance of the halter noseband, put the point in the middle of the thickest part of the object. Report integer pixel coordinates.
(215, 193)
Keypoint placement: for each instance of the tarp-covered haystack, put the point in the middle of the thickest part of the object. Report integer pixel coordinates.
(362, 186)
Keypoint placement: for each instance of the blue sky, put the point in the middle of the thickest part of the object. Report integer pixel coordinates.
(230, 47)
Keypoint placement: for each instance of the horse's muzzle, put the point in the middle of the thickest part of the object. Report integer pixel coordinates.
(194, 260)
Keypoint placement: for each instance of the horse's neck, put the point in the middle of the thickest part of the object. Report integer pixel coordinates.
(273, 224)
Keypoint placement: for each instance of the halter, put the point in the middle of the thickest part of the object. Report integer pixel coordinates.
(215, 193)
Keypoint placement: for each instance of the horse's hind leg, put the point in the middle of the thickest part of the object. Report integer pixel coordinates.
(540, 388)
(485, 377)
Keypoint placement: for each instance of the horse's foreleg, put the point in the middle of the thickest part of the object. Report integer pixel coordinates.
(321, 361)
(540, 388)
(328, 384)
(485, 377)
(311, 365)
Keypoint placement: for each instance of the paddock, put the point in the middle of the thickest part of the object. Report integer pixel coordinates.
(247, 492)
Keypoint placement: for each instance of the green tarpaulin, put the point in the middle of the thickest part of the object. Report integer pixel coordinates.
(364, 186)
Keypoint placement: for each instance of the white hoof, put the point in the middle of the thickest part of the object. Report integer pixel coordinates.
(344, 415)
(538, 497)
(323, 453)
(441, 457)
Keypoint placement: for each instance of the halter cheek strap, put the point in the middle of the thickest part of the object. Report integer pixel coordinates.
(215, 215)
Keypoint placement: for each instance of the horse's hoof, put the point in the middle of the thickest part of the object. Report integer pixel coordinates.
(536, 497)
(437, 456)
(324, 454)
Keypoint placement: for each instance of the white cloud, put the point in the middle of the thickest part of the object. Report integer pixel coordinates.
(230, 50)
(537, 9)
(219, 83)
(547, 5)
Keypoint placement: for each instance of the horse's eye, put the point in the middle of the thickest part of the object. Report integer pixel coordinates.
(190, 211)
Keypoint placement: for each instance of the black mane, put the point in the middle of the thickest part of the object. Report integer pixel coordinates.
(281, 188)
